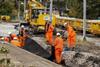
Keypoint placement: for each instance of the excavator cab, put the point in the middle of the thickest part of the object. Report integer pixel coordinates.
(37, 15)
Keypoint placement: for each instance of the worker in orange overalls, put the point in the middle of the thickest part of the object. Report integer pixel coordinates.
(49, 38)
(71, 36)
(49, 32)
(13, 35)
(16, 42)
(10, 37)
(58, 45)
(6, 39)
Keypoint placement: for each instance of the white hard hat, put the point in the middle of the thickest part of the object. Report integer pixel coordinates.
(22, 26)
(9, 32)
(46, 18)
(65, 24)
(15, 38)
(58, 34)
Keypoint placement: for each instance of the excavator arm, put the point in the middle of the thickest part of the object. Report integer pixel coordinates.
(35, 4)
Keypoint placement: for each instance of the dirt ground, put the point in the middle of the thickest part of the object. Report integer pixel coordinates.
(86, 54)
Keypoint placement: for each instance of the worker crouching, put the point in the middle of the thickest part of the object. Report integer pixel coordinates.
(58, 45)
(22, 35)
(16, 42)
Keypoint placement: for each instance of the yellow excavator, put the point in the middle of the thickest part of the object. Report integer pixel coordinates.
(36, 15)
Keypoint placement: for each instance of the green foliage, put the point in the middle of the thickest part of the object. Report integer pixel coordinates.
(93, 9)
(5, 8)
(76, 8)
(8, 7)
(4, 50)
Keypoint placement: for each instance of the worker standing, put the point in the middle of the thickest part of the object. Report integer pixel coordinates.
(49, 33)
(71, 36)
(49, 38)
(46, 31)
(58, 45)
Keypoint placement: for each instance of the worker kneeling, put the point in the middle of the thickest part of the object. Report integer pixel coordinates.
(58, 45)
(16, 42)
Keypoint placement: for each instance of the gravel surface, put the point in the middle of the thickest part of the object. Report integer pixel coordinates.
(81, 59)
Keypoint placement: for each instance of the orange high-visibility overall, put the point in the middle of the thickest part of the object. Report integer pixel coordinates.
(58, 44)
(22, 36)
(20, 39)
(49, 34)
(71, 37)
(6, 39)
(16, 43)
(13, 35)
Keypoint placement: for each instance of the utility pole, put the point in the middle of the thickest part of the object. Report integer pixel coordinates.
(46, 7)
(24, 6)
(40, 0)
(84, 20)
(24, 14)
(51, 4)
(19, 10)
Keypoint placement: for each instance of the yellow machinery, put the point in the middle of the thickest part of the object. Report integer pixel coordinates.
(37, 16)
(92, 26)
(5, 18)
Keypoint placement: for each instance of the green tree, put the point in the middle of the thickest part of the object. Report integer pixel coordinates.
(76, 8)
(10, 7)
(93, 9)
(5, 8)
